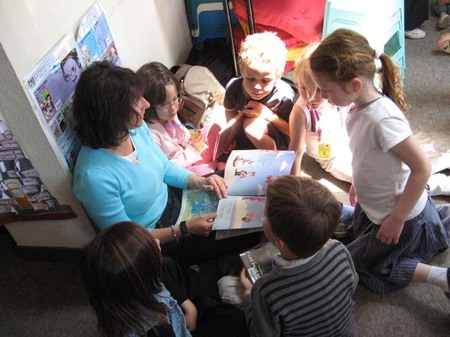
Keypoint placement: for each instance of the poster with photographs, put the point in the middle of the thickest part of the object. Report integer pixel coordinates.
(23, 196)
(95, 38)
(50, 88)
(51, 84)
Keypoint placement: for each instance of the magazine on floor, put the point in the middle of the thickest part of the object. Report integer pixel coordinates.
(247, 173)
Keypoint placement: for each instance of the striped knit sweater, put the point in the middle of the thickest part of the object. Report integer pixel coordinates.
(311, 299)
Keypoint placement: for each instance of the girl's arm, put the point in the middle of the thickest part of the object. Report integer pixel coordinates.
(297, 128)
(410, 152)
(190, 314)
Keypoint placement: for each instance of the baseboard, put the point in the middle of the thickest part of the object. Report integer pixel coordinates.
(9, 248)
(50, 254)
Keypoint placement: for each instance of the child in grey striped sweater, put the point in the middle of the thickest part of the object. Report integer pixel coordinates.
(310, 290)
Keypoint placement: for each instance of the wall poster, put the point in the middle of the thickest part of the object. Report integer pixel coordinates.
(50, 87)
(23, 196)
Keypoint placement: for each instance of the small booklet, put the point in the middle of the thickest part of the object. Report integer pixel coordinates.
(259, 260)
(247, 173)
(226, 136)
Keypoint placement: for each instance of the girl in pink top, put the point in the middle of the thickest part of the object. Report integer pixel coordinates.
(187, 150)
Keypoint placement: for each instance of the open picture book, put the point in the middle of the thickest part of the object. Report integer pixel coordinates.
(259, 260)
(247, 173)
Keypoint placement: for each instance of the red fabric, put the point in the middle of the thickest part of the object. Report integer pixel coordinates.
(301, 19)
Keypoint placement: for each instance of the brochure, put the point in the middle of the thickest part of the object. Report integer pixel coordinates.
(259, 260)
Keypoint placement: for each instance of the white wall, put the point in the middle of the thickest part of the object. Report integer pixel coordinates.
(144, 30)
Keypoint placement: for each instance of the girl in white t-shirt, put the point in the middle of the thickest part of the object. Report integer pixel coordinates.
(397, 228)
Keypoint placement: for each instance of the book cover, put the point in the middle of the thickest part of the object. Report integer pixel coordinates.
(259, 260)
(226, 136)
(197, 202)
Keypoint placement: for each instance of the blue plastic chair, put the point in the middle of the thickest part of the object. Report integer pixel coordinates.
(381, 22)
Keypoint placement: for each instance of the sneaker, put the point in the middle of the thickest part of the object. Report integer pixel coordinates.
(340, 231)
(230, 290)
(444, 20)
(416, 33)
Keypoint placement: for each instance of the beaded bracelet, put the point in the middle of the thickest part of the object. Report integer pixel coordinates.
(174, 234)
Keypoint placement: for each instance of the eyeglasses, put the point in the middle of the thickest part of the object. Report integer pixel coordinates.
(166, 107)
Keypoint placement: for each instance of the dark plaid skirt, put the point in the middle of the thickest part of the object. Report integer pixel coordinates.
(387, 268)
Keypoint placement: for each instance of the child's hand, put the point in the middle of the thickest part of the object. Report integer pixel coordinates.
(255, 109)
(246, 283)
(390, 230)
(190, 314)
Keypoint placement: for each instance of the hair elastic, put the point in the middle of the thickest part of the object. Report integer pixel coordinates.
(377, 60)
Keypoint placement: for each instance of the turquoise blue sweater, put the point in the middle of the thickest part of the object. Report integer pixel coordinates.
(113, 189)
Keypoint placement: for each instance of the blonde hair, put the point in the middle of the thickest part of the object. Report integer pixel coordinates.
(303, 74)
(263, 48)
(346, 54)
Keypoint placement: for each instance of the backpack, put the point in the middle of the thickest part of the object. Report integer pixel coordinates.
(202, 94)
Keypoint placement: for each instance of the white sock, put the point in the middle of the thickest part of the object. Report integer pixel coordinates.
(438, 277)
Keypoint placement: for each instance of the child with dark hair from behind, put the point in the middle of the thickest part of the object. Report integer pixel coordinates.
(122, 271)
(309, 292)
(134, 290)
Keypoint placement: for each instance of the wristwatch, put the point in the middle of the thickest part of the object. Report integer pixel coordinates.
(183, 228)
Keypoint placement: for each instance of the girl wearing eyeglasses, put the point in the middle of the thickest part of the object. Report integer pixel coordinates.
(186, 149)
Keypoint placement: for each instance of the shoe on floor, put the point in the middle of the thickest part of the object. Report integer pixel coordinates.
(444, 20)
(416, 33)
(230, 290)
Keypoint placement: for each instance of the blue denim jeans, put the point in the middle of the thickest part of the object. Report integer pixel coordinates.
(439, 9)
(347, 214)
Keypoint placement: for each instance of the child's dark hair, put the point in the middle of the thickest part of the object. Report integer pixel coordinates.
(301, 212)
(121, 272)
(346, 54)
(156, 76)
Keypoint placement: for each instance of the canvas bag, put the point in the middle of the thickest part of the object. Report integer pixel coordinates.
(202, 94)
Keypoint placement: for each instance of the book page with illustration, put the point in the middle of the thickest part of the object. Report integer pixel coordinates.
(247, 173)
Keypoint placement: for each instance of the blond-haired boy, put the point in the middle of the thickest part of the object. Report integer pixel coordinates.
(260, 93)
